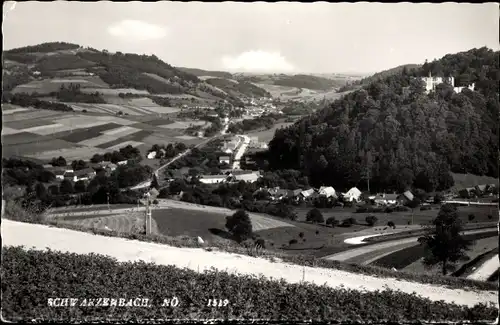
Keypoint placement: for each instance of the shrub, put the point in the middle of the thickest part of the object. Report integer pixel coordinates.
(239, 225)
(471, 217)
(304, 240)
(362, 210)
(261, 242)
(346, 222)
(317, 232)
(389, 210)
(391, 224)
(315, 216)
(301, 235)
(490, 217)
(332, 221)
(292, 241)
(155, 201)
(371, 220)
(401, 208)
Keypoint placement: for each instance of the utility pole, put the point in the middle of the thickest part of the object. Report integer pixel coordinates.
(107, 195)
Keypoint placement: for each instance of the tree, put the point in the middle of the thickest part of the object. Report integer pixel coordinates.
(41, 191)
(58, 161)
(239, 225)
(391, 224)
(66, 187)
(415, 203)
(332, 221)
(438, 198)
(464, 194)
(80, 186)
(154, 183)
(471, 217)
(371, 220)
(301, 234)
(315, 216)
(445, 244)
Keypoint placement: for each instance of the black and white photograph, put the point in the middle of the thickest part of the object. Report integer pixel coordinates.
(250, 162)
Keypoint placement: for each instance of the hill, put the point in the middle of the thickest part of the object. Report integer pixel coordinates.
(295, 81)
(238, 88)
(202, 73)
(357, 84)
(115, 70)
(397, 134)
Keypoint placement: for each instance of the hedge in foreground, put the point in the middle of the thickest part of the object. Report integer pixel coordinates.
(30, 278)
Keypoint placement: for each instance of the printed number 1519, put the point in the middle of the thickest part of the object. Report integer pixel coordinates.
(217, 303)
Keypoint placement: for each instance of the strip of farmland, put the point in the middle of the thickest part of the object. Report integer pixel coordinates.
(124, 144)
(31, 114)
(9, 131)
(137, 137)
(14, 110)
(122, 131)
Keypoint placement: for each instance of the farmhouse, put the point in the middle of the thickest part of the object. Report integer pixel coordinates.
(84, 174)
(250, 177)
(225, 159)
(405, 197)
(123, 162)
(213, 179)
(152, 155)
(386, 199)
(352, 195)
(59, 174)
(327, 191)
(307, 193)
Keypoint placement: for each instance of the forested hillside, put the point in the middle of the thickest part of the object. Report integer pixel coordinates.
(399, 136)
(379, 75)
(201, 73)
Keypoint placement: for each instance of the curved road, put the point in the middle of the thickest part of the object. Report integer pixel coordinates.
(376, 251)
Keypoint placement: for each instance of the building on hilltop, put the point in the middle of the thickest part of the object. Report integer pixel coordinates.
(431, 83)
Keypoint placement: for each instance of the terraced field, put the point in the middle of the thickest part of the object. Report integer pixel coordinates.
(46, 134)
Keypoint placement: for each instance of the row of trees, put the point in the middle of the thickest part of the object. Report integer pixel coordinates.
(261, 122)
(126, 153)
(25, 100)
(73, 93)
(168, 151)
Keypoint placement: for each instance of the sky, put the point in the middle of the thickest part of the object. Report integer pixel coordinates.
(260, 37)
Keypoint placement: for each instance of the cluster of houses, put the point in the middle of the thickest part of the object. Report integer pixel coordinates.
(85, 174)
(229, 176)
(353, 195)
(478, 190)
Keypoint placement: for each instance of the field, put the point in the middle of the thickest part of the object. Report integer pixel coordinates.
(480, 247)
(267, 135)
(405, 257)
(182, 125)
(45, 134)
(90, 84)
(468, 180)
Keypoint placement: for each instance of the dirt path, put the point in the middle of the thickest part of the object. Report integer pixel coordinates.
(40, 237)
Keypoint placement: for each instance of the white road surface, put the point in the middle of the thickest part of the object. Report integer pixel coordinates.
(41, 237)
(486, 270)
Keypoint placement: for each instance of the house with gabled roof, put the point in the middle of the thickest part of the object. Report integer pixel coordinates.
(353, 194)
(307, 193)
(405, 197)
(213, 179)
(327, 191)
(386, 199)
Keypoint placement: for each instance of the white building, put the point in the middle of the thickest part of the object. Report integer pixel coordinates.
(327, 191)
(250, 177)
(152, 155)
(213, 179)
(431, 83)
(352, 195)
(225, 159)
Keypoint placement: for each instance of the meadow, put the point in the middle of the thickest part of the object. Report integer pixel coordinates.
(267, 135)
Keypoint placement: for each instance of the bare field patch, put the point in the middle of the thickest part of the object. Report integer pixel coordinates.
(115, 91)
(68, 153)
(8, 131)
(32, 114)
(13, 110)
(39, 149)
(126, 143)
(183, 124)
(267, 135)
